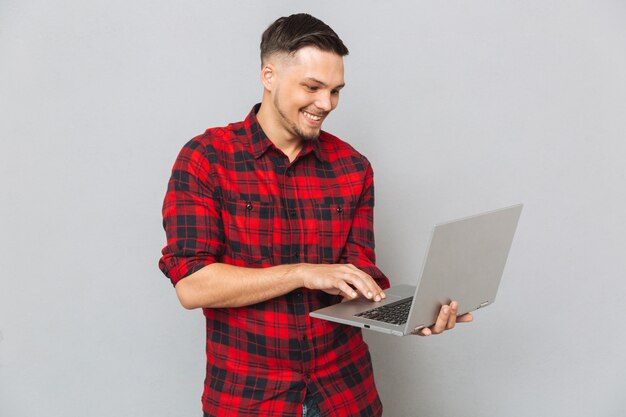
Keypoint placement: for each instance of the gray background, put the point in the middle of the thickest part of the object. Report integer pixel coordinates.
(461, 106)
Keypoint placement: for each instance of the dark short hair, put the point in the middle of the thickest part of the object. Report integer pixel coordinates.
(290, 33)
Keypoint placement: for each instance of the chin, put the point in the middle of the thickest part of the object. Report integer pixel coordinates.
(309, 135)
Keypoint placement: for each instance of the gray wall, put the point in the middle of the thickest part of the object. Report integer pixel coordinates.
(461, 106)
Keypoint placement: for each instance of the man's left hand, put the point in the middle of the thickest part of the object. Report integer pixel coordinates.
(446, 320)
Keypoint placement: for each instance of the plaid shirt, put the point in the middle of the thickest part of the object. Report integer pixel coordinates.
(234, 198)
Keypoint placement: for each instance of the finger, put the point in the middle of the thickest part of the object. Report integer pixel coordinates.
(376, 288)
(465, 318)
(359, 280)
(372, 287)
(347, 290)
(425, 332)
(362, 280)
(442, 320)
(454, 307)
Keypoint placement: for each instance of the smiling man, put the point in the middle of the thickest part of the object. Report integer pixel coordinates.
(269, 219)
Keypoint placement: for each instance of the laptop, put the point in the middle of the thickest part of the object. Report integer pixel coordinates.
(464, 262)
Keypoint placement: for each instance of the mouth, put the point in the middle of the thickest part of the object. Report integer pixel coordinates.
(312, 117)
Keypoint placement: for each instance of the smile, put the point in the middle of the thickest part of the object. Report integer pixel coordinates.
(311, 116)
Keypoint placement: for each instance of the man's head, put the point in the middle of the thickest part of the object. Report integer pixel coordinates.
(302, 73)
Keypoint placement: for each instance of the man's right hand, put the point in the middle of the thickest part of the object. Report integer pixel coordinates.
(340, 279)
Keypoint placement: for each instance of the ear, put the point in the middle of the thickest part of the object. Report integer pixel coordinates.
(268, 75)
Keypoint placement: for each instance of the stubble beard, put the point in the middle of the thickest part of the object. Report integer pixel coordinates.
(293, 126)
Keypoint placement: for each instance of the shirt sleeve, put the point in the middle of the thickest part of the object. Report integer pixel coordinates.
(359, 249)
(191, 215)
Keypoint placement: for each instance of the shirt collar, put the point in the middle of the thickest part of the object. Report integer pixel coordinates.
(260, 143)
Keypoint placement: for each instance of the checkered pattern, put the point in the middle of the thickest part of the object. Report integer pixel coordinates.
(234, 198)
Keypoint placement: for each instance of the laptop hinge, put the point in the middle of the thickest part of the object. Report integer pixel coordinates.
(484, 304)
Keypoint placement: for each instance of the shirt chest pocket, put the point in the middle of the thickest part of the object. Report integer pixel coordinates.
(248, 227)
(334, 223)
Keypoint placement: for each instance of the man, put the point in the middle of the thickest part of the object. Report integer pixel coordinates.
(269, 219)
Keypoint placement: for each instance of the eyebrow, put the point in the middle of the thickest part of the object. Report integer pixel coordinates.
(315, 80)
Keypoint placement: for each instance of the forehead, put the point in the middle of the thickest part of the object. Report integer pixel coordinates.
(311, 62)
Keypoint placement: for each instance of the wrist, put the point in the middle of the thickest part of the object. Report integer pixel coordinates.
(295, 273)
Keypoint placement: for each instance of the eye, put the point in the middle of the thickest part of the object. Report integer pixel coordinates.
(335, 92)
(311, 88)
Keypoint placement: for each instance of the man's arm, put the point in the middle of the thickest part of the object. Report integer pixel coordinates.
(221, 285)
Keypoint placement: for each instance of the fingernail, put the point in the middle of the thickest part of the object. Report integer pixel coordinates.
(446, 309)
(377, 298)
(369, 294)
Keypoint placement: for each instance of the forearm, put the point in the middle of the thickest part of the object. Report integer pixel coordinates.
(221, 285)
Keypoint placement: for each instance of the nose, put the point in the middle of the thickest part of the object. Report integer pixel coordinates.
(324, 101)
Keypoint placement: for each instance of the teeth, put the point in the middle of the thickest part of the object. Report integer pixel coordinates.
(312, 117)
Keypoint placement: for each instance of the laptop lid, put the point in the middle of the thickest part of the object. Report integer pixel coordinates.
(465, 262)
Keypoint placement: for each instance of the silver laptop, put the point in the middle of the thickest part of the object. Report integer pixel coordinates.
(464, 262)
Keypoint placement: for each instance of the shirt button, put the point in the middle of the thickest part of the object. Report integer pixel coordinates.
(293, 212)
(249, 206)
(296, 254)
(339, 209)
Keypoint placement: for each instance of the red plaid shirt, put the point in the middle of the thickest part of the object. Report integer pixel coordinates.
(234, 198)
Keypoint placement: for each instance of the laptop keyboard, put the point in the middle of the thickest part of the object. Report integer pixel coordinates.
(394, 313)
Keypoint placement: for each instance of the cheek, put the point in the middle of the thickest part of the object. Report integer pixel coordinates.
(292, 101)
(301, 100)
